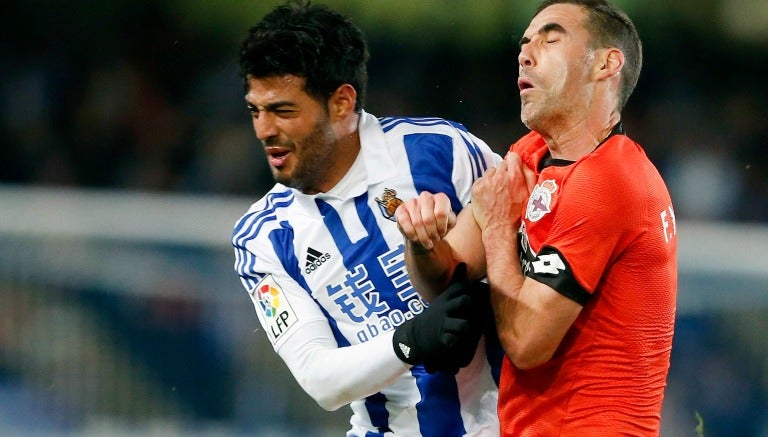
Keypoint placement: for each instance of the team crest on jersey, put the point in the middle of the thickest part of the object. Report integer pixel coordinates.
(389, 203)
(274, 305)
(540, 201)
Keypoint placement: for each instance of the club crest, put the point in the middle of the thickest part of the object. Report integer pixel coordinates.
(540, 200)
(389, 203)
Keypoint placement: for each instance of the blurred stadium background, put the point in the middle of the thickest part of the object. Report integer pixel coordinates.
(126, 156)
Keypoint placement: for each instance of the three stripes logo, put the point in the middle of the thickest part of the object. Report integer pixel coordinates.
(405, 350)
(315, 259)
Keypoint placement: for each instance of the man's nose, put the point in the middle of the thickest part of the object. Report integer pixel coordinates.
(265, 126)
(525, 59)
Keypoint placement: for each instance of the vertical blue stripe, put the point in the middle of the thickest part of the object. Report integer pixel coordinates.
(282, 242)
(377, 411)
(439, 410)
(476, 156)
(431, 160)
(366, 252)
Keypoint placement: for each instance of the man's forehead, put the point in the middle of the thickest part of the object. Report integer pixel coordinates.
(274, 88)
(566, 15)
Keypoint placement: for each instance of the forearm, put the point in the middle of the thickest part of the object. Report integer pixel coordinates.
(531, 317)
(429, 270)
(335, 376)
(506, 280)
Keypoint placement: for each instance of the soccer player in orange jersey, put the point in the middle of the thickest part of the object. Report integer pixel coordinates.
(575, 233)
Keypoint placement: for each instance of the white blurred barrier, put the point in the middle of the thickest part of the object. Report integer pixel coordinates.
(121, 314)
(720, 263)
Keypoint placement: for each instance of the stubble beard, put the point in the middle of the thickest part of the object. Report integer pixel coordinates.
(311, 167)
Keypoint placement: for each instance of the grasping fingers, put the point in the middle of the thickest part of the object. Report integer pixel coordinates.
(426, 219)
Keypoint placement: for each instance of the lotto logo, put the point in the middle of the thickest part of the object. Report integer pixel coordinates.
(550, 264)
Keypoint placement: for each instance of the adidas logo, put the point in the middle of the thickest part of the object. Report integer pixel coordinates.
(405, 350)
(315, 259)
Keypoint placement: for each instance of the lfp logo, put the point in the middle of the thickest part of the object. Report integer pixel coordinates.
(272, 302)
(269, 300)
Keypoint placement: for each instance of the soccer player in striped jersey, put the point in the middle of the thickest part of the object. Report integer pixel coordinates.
(576, 233)
(321, 256)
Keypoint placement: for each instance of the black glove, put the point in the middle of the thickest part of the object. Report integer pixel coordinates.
(445, 336)
(478, 315)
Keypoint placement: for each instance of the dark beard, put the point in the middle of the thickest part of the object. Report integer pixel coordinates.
(317, 153)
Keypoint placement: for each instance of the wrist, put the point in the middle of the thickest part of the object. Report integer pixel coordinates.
(404, 345)
(499, 233)
(417, 248)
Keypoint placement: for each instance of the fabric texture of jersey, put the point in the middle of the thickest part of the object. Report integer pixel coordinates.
(601, 231)
(337, 257)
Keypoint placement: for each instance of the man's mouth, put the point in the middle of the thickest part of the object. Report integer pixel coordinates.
(277, 156)
(524, 84)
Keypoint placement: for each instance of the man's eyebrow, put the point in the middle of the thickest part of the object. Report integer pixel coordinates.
(271, 106)
(545, 29)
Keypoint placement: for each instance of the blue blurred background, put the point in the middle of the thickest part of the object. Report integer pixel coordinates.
(126, 155)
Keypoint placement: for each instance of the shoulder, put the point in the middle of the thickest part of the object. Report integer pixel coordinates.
(436, 134)
(620, 160)
(419, 125)
(617, 177)
(429, 129)
(440, 141)
(262, 212)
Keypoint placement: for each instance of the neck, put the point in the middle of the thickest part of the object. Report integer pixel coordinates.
(347, 148)
(572, 142)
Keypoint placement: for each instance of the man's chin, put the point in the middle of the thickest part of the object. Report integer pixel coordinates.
(280, 177)
(286, 180)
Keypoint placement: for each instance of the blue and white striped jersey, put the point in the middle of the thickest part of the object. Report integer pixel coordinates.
(335, 261)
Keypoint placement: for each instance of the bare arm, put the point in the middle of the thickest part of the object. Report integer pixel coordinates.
(531, 318)
(436, 240)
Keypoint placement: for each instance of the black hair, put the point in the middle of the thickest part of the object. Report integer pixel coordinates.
(309, 41)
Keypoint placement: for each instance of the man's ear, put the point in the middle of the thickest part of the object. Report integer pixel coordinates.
(608, 63)
(342, 101)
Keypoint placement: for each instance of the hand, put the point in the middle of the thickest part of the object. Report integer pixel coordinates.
(425, 220)
(499, 197)
(480, 318)
(444, 337)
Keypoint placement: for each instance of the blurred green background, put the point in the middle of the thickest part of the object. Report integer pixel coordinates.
(126, 154)
(145, 95)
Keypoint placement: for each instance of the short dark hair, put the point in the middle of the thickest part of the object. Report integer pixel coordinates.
(612, 27)
(309, 41)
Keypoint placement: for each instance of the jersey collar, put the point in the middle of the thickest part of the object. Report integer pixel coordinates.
(372, 165)
(549, 161)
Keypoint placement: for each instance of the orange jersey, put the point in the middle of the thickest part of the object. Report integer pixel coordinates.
(602, 232)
